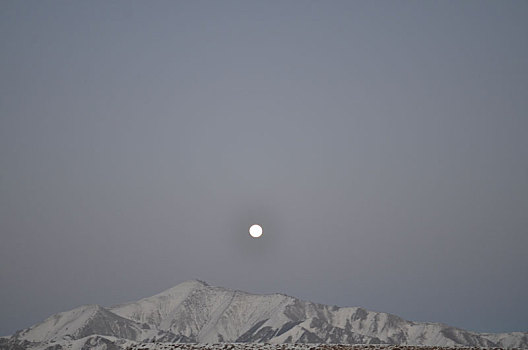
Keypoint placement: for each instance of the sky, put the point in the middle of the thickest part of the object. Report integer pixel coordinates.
(382, 146)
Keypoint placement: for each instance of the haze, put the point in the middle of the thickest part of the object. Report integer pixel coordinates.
(382, 146)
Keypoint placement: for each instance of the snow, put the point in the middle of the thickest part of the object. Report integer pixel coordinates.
(509, 340)
(61, 325)
(195, 311)
(156, 308)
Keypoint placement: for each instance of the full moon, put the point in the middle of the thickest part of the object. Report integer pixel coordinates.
(255, 231)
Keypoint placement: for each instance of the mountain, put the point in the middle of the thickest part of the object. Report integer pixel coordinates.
(86, 321)
(193, 311)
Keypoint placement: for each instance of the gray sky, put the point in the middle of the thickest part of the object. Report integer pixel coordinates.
(382, 145)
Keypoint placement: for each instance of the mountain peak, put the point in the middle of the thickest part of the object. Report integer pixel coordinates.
(184, 287)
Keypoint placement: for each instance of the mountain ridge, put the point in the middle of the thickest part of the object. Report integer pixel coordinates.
(194, 311)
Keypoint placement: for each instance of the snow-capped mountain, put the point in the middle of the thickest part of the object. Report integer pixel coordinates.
(193, 311)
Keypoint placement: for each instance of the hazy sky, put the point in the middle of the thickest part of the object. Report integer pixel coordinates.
(382, 145)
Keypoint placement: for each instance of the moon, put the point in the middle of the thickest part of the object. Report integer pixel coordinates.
(255, 231)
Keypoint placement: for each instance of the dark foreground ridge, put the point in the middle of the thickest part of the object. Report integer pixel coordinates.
(266, 346)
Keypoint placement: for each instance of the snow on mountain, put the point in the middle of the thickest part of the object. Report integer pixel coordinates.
(80, 322)
(153, 310)
(193, 311)
(85, 321)
(508, 340)
(206, 314)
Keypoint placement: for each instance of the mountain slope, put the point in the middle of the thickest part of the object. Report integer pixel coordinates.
(196, 312)
(204, 313)
(80, 322)
(86, 321)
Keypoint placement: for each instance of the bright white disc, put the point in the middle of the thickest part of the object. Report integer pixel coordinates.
(255, 231)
